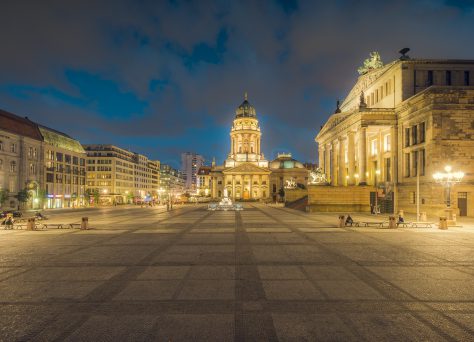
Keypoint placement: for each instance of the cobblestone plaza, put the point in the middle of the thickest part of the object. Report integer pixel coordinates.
(264, 273)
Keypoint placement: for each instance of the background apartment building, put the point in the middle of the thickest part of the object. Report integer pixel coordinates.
(121, 176)
(64, 169)
(190, 164)
(171, 182)
(20, 160)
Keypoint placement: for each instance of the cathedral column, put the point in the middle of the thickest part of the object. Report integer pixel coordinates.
(334, 163)
(362, 155)
(233, 187)
(351, 156)
(260, 186)
(342, 162)
(250, 186)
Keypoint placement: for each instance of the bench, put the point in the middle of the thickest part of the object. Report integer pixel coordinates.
(369, 224)
(404, 224)
(53, 225)
(422, 224)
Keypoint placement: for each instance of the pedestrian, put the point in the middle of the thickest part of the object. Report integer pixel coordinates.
(349, 220)
(372, 211)
(9, 223)
(401, 219)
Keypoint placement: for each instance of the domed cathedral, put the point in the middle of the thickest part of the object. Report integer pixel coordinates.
(245, 172)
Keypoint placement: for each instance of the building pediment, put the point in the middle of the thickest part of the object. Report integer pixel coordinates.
(247, 168)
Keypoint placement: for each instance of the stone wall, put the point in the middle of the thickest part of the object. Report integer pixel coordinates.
(339, 199)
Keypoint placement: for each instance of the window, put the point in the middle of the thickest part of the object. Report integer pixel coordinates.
(30, 152)
(1, 145)
(13, 166)
(50, 155)
(466, 78)
(412, 197)
(35, 152)
(59, 157)
(407, 164)
(13, 148)
(386, 143)
(421, 127)
(414, 136)
(388, 172)
(430, 78)
(67, 158)
(407, 137)
(1, 164)
(32, 169)
(448, 78)
(415, 163)
(373, 147)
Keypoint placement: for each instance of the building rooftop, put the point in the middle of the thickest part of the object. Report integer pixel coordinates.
(19, 125)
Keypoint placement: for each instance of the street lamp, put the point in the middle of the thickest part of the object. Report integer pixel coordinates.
(377, 173)
(448, 179)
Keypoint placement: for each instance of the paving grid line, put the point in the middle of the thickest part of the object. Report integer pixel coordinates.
(79, 248)
(248, 290)
(438, 260)
(375, 281)
(100, 290)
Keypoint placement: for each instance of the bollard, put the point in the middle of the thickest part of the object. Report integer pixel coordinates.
(342, 223)
(85, 223)
(423, 216)
(30, 225)
(391, 222)
(443, 223)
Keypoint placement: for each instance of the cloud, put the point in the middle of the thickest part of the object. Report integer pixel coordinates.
(161, 76)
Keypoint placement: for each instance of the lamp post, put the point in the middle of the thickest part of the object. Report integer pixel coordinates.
(377, 173)
(448, 179)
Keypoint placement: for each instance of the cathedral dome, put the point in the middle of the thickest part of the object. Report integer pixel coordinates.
(284, 161)
(245, 109)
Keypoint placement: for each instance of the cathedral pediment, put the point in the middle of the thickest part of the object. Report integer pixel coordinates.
(247, 168)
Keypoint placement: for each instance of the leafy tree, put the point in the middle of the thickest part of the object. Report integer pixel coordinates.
(23, 196)
(3, 196)
(92, 193)
(281, 192)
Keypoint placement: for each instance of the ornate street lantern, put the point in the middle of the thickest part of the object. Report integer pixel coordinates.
(448, 179)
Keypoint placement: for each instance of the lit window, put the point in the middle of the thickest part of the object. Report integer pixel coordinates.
(373, 147)
(386, 143)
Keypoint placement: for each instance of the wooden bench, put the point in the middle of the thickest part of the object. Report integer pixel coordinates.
(422, 224)
(54, 225)
(404, 224)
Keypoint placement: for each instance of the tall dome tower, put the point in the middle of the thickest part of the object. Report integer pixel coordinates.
(245, 137)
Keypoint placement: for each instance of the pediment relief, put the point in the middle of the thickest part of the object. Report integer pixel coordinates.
(247, 168)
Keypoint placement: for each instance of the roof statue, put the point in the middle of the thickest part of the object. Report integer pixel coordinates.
(362, 103)
(372, 63)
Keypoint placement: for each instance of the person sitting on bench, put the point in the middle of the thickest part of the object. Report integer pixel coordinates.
(349, 220)
(400, 219)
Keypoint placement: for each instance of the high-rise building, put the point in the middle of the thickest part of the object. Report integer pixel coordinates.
(190, 164)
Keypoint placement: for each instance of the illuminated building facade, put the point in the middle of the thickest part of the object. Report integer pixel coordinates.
(121, 176)
(400, 124)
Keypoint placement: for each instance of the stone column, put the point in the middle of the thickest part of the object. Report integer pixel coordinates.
(342, 163)
(321, 157)
(250, 186)
(351, 156)
(334, 164)
(393, 164)
(362, 155)
(233, 187)
(327, 162)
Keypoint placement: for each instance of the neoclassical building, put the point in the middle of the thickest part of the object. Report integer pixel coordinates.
(246, 173)
(400, 124)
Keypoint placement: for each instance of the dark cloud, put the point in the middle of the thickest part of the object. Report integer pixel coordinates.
(163, 76)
